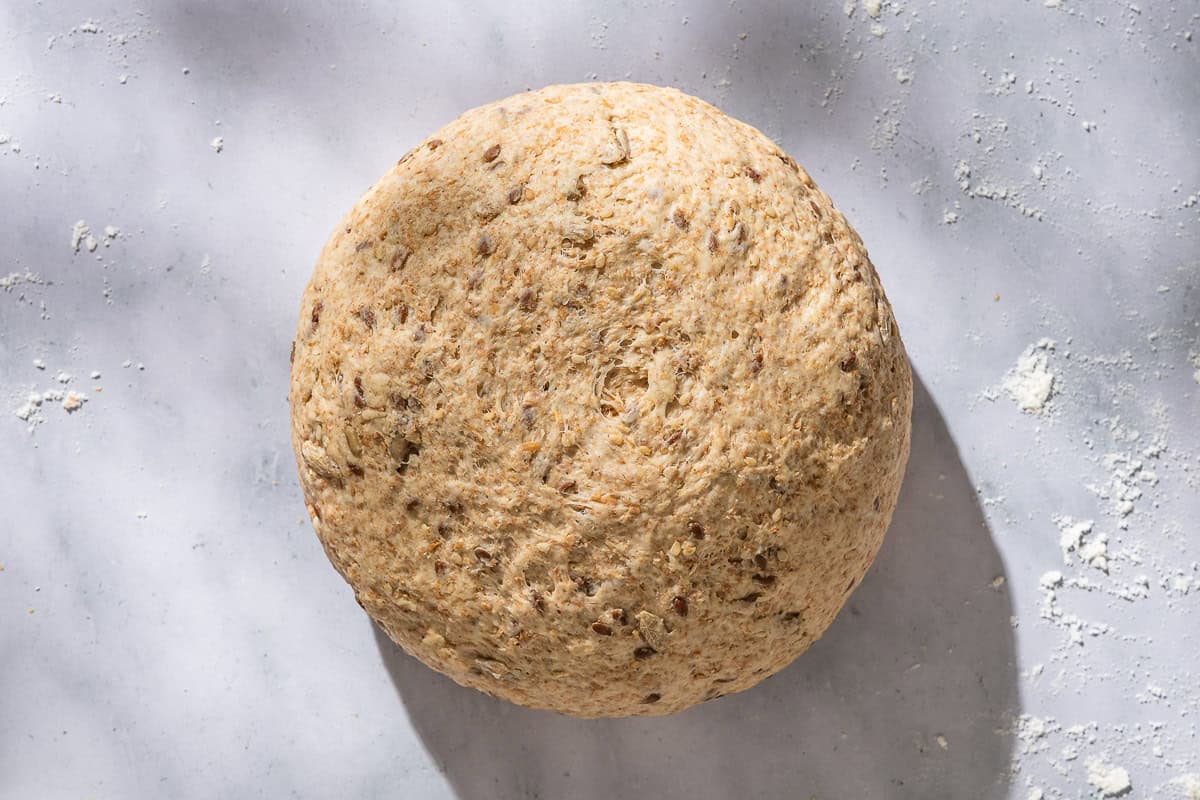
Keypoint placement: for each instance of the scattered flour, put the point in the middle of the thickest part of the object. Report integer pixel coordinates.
(14, 279)
(1126, 475)
(989, 188)
(1030, 383)
(920, 187)
(1111, 781)
(1071, 535)
(1071, 539)
(1188, 785)
(1095, 553)
(82, 236)
(1051, 579)
(29, 411)
(1184, 584)
(79, 231)
(886, 128)
(1031, 732)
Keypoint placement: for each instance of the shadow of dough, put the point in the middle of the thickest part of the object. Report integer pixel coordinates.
(924, 649)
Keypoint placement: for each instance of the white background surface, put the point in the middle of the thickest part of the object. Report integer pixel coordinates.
(169, 626)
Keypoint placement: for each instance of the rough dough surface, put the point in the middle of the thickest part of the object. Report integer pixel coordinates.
(598, 403)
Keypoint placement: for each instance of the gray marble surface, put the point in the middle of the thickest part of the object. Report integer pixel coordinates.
(169, 626)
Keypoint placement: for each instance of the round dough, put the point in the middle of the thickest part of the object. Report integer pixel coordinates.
(598, 403)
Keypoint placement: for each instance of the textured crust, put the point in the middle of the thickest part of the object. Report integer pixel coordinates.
(598, 403)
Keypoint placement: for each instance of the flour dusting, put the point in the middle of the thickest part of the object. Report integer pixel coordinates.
(1031, 383)
(1109, 780)
(79, 232)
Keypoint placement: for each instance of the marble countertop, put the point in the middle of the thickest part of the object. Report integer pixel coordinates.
(1023, 173)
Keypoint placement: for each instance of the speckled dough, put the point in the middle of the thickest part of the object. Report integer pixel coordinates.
(598, 403)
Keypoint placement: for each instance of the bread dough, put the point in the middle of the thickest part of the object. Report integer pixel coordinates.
(598, 403)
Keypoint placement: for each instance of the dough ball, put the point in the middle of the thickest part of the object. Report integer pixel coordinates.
(598, 403)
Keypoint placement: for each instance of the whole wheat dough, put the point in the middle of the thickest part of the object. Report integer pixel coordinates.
(598, 403)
